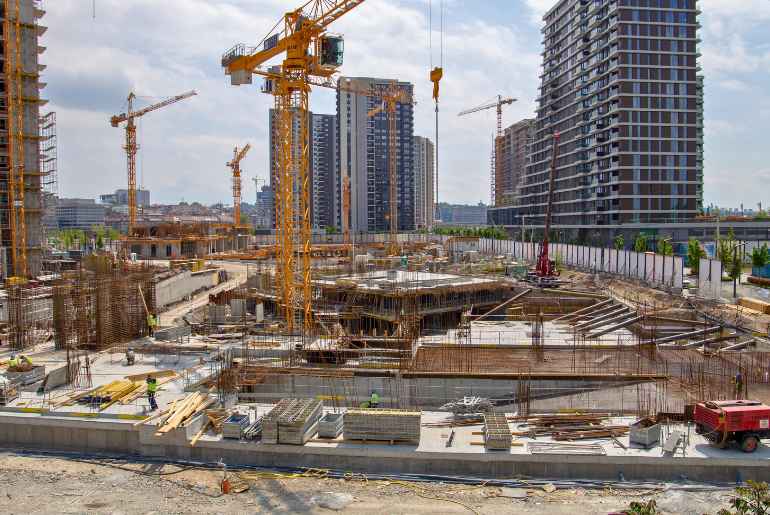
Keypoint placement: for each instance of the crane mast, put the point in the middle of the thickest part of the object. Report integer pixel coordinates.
(309, 52)
(235, 167)
(131, 146)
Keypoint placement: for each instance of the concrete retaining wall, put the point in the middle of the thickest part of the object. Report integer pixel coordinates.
(176, 288)
(32, 432)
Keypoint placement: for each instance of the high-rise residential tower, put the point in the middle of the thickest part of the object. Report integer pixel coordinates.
(324, 167)
(363, 149)
(515, 146)
(21, 95)
(620, 85)
(424, 170)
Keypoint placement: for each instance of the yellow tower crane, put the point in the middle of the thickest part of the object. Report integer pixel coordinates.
(495, 171)
(14, 76)
(309, 51)
(131, 147)
(235, 166)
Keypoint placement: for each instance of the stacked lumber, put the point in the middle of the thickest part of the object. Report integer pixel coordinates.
(108, 394)
(755, 304)
(382, 424)
(571, 427)
(181, 411)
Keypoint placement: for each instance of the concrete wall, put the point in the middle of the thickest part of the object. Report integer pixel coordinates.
(176, 288)
(19, 431)
(430, 393)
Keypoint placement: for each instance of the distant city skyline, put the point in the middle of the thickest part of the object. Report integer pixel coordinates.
(184, 148)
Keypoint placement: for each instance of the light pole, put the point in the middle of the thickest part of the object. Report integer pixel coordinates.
(740, 268)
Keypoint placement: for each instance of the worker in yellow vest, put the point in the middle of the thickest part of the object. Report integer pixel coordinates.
(152, 322)
(152, 387)
(13, 362)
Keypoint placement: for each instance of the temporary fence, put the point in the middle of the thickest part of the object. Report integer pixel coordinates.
(653, 269)
(710, 279)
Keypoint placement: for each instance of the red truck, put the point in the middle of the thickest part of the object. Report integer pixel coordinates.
(742, 421)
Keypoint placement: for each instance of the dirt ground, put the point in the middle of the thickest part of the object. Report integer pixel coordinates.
(36, 484)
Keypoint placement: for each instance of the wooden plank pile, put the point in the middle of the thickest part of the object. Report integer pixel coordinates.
(124, 391)
(497, 434)
(571, 427)
(393, 425)
(180, 412)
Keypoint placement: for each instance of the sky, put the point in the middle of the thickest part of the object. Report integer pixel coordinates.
(490, 47)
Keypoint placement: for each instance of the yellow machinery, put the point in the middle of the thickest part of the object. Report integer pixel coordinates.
(235, 166)
(496, 161)
(131, 146)
(14, 75)
(309, 52)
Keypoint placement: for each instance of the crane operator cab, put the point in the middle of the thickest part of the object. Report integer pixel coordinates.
(331, 51)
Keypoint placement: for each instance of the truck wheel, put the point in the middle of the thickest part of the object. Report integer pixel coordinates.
(749, 443)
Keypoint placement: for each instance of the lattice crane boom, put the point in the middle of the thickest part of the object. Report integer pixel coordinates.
(300, 36)
(235, 167)
(131, 146)
(496, 163)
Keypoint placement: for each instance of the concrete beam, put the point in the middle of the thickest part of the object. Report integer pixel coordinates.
(707, 341)
(683, 336)
(515, 297)
(621, 325)
(584, 310)
(598, 321)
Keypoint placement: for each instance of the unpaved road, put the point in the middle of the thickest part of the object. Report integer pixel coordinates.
(34, 484)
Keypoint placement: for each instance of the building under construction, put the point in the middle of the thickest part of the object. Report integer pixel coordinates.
(21, 176)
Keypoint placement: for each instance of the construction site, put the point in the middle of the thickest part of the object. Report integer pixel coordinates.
(403, 355)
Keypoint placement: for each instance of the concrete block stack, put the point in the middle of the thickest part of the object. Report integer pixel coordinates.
(497, 433)
(292, 421)
(382, 424)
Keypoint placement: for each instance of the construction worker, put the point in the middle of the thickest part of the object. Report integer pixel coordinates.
(152, 387)
(130, 356)
(152, 322)
(26, 361)
(738, 385)
(374, 400)
(13, 362)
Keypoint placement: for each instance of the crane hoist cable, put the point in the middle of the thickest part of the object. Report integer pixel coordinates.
(436, 74)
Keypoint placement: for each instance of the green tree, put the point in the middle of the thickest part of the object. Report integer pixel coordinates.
(640, 244)
(665, 248)
(330, 229)
(100, 241)
(760, 256)
(619, 243)
(752, 499)
(695, 253)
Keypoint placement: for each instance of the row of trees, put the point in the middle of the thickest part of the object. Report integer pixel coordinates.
(69, 239)
(495, 233)
(642, 244)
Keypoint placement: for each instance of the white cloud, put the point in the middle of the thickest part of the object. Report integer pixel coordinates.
(164, 48)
